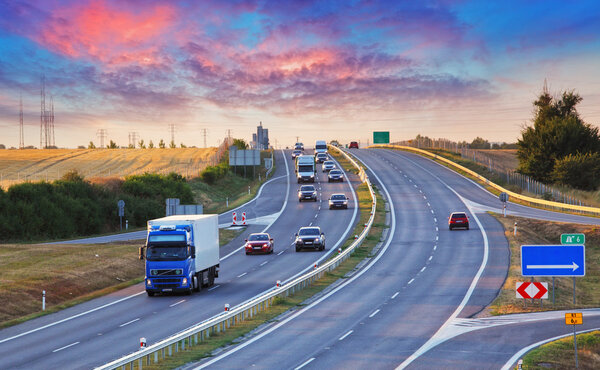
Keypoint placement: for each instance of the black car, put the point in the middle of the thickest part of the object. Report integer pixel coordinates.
(296, 153)
(307, 192)
(310, 237)
(335, 175)
(338, 201)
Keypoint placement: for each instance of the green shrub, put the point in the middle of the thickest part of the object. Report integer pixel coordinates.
(581, 171)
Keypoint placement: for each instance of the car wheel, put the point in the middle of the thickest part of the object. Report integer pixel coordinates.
(450, 228)
(297, 249)
(328, 180)
(299, 200)
(247, 253)
(330, 207)
(346, 206)
(467, 227)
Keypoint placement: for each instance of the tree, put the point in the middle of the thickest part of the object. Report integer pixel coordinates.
(183, 145)
(150, 144)
(581, 171)
(172, 145)
(91, 145)
(141, 144)
(557, 132)
(161, 144)
(112, 145)
(479, 143)
(240, 144)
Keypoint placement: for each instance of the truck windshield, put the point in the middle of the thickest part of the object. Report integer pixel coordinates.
(321, 146)
(164, 253)
(305, 168)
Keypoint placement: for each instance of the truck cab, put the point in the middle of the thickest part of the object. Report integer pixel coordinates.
(320, 146)
(174, 261)
(305, 168)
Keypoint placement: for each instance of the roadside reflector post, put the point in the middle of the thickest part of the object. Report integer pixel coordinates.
(515, 233)
(126, 224)
(316, 265)
(226, 306)
(339, 250)
(143, 343)
(227, 201)
(504, 210)
(278, 284)
(248, 189)
(43, 300)
(520, 364)
(355, 236)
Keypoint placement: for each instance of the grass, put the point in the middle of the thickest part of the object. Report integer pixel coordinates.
(281, 305)
(560, 354)
(35, 165)
(235, 187)
(69, 273)
(544, 232)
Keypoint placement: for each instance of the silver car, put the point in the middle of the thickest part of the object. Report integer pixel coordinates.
(328, 166)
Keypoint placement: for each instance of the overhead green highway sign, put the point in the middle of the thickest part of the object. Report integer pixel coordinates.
(381, 137)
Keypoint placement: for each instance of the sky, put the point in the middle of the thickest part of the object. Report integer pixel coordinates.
(307, 69)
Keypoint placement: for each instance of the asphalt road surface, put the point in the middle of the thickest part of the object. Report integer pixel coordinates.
(425, 279)
(106, 328)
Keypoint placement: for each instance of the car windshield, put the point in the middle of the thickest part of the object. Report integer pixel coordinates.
(309, 231)
(305, 168)
(327, 163)
(338, 197)
(163, 253)
(336, 172)
(459, 215)
(297, 152)
(322, 155)
(307, 188)
(258, 237)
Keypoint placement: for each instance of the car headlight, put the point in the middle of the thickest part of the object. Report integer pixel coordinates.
(317, 240)
(312, 175)
(184, 281)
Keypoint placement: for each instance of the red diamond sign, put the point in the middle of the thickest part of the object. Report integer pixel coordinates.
(535, 290)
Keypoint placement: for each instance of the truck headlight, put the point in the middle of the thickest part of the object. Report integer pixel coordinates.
(184, 281)
(148, 282)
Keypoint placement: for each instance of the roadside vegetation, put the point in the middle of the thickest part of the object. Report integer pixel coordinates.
(560, 354)
(530, 232)
(240, 331)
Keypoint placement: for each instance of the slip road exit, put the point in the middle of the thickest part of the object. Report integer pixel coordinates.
(553, 260)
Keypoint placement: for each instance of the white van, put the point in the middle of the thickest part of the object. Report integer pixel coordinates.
(320, 147)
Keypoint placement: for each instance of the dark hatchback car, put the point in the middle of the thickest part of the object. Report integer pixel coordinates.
(338, 201)
(458, 219)
(335, 175)
(310, 237)
(307, 192)
(296, 153)
(259, 243)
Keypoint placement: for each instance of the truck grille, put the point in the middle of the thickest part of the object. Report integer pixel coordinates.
(166, 272)
(161, 281)
(167, 286)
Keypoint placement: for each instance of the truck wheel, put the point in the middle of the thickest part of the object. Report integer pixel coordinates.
(196, 283)
(150, 294)
(211, 276)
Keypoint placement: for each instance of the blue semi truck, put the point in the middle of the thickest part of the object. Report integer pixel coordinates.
(181, 253)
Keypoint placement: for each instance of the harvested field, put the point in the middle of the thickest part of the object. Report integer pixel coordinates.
(50, 164)
(505, 159)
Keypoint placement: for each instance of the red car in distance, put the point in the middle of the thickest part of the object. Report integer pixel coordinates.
(353, 144)
(259, 243)
(458, 219)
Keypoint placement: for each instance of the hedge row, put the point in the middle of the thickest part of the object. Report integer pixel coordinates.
(74, 207)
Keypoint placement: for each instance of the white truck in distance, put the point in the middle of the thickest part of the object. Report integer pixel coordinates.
(181, 253)
(320, 146)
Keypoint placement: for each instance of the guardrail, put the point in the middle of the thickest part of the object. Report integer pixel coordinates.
(248, 309)
(530, 200)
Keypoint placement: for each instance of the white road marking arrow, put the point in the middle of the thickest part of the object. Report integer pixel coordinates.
(573, 266)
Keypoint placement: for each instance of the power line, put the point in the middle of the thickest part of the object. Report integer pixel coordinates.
(102, 133)
(133, 138)
(46, 118)
(204, 131)
(172, 131)
(21, 136)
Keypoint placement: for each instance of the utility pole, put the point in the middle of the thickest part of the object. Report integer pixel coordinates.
(229, 136)
(21, 138)
(133, 138)
(204, 131)
(102, 133)
(297, 139)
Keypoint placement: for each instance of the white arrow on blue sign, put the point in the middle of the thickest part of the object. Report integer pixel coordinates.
(553, 260)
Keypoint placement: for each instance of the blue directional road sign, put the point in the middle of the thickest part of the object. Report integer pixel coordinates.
(553, 260)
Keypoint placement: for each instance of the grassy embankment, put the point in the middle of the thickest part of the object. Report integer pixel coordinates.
(236, 333)
(544, 232)
(590, 198)
(69, 273)
(560, 354)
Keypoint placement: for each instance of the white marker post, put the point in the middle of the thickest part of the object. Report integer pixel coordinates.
(43, 300)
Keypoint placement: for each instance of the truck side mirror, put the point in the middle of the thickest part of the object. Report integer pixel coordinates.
(193, 251)
(296, 234)
(142, 252)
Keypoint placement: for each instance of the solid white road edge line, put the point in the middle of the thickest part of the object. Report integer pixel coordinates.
(285, 202)
(67, 346)
(335, 290)
(438, 338)
(515, 358)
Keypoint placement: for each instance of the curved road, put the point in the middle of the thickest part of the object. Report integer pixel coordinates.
(426, 278)
(103, 329)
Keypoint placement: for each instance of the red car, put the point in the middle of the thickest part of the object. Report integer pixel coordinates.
(259, 243)
(353, 144)
(458, 219)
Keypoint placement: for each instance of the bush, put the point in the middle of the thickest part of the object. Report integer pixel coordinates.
(581, 171)
(214, 173)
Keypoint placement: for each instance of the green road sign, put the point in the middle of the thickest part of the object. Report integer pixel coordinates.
(572, 239)
(381, 137)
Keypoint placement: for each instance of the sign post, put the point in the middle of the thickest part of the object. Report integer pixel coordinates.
(121, 204)
(574, 318)
(503, 198)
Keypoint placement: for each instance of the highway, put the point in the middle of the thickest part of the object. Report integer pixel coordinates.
(103, 329)
(399, 308)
